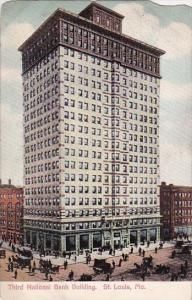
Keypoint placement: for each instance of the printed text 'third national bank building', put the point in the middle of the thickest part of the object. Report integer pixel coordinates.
(91, 133)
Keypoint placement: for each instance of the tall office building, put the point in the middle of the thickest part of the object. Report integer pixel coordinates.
(91, 130)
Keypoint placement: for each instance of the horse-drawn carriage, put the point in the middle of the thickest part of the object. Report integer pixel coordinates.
(46, 266)
(183, 248)
(162, 269)
(85, 277)
(148, 262)
(137, 269)
(2, 253)
(101, 266)
(21, 261)
(25, 252)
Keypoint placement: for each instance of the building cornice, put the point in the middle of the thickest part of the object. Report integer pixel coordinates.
(51, 34)
(61, 13)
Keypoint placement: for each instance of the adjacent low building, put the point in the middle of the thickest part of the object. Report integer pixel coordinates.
(176, 210)
(11, 212)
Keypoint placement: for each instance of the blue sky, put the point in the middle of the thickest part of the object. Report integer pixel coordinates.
(167, 27)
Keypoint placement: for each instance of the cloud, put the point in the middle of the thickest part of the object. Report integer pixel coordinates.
(173, 2)
(176, 164)
(15, 34)
(176, 92)
(175, 38)
(12, 141)
(175, 114)
(10, 74)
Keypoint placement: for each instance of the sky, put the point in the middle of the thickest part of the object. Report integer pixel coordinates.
(168, 27)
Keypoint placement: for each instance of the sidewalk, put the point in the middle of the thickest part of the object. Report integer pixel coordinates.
(94, 255)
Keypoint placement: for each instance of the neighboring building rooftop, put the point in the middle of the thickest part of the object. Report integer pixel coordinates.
(175, 187)
(9, 185)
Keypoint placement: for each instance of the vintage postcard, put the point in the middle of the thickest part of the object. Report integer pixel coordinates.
(96, 150)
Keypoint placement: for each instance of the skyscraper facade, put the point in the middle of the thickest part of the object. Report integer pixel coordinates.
(91, 133)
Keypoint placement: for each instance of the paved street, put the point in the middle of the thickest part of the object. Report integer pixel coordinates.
(163, 256)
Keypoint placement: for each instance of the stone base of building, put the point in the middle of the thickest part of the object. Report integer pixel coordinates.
(76, 242)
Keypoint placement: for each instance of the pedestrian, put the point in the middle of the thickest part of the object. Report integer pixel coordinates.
(50, 278)
(30, 268)
(143, 253)
(186, 264)
(113, 264)
(120, 262)
(123, 256)
(69, 255)
(46, 274)
(143, 276)
(126, 257)
(65, 264)
(75, 258)
(71, 275)
(15, 274)
(156, 250)
(114, 252)
(173, 254)
(11, 266)
(131, 250)
(34, 265)
(139, 250)
(107, 277)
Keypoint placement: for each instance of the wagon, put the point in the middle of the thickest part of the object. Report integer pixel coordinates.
(101, 266)
(55, 269)
(183, 248)
(25, 252)
(186, 248)
(24, 261)
(85, 277)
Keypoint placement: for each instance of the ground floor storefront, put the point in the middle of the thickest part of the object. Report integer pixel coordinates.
(168, 233)
(76, 242)
(15, 236)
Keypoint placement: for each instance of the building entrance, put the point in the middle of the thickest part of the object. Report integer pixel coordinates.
(84, 241)
(117, 240)
(70, 243)
(143, 235)
(133, 236)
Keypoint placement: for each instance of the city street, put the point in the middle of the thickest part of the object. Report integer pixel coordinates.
(163, 256)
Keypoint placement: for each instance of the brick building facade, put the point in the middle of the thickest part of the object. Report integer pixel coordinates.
(11, 212)
(176, 210)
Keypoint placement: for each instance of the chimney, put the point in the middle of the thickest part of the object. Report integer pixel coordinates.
(9, 181)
